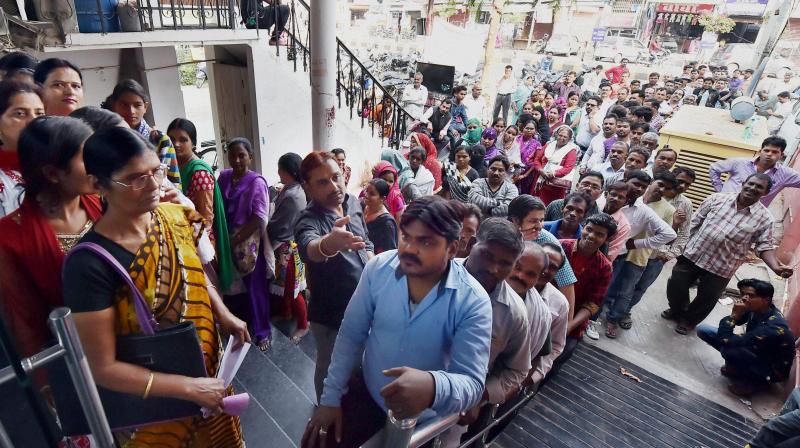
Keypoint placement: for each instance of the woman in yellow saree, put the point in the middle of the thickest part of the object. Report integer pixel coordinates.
(164, 250)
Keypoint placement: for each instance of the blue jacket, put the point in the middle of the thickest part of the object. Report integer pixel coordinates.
(459, 121)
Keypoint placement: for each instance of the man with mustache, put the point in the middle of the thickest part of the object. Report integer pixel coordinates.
(420, 327)
(332, 240)
(469, 228)
(498, 246)
(596, 154)
(574, 210)
(723, 229)
(590, 183)
(615, 198)
(555, 300)
(615, 166)
(493, 194)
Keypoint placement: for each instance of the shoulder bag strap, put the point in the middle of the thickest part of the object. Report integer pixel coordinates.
(143, 313)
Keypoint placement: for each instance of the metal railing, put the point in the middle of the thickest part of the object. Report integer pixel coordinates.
(69, 348)
(151, 15)
(357, 88)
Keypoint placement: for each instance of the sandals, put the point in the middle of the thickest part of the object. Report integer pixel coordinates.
(683, 328)
(298, 334)
(626, 322)
(611, 330)
(669, 314)
(265, 344)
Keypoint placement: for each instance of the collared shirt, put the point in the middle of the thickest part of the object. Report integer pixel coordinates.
(554, 226)
(559, 307)
(540, 319)
(494, 203)
(554, 211)
(448, 335)
(739, 169)
(665, 211)
(657, 122)
(565, 276)
(721, 235)
(332, 281)
(477, 108)
(610, 175)
(564, 90)
(584, 134)
(767, 335)
(596, 154)
(506, 86)
(592, 80)
(414, 100)
(643, 219)
(675, 249)
(594, 278)
(510, 352)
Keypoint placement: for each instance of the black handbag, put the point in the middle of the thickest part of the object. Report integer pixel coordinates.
(174, 350)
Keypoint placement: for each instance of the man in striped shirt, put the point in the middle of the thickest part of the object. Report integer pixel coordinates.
(722, 232)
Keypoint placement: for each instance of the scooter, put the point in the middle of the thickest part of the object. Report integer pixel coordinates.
(201, 76)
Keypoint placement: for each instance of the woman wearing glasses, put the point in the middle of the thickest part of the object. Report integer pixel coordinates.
(59, 208)
(164, 248)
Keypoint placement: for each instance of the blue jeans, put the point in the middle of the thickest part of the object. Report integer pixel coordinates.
(781, 431)
(623, 282)
(649, 276)
(745, 363)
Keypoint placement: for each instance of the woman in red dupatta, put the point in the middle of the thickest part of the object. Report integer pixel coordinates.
(58, 208)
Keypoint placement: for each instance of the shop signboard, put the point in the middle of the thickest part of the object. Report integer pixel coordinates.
(598, 34)
(684, 8)
(746, 7)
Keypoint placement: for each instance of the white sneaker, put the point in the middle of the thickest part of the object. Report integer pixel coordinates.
(591, 331)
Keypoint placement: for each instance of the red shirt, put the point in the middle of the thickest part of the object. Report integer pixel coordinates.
(614, 74)
(594, 278)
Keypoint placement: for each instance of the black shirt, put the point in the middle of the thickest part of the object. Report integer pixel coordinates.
(333, 281)
(90, 283)
(383, 233)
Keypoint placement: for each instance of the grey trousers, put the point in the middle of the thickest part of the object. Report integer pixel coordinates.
(324, 337)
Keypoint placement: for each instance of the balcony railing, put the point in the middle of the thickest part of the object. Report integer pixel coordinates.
(357, 89)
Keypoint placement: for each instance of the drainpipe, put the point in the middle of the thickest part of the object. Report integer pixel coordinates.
(323, 74)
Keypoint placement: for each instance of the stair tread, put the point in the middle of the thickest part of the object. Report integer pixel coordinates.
(294, 363)
(258, 427)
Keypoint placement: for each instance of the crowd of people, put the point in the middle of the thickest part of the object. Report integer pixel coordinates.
(467, 270)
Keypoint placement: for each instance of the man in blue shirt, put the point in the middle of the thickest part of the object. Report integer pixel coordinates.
(419, 325)
(573, 211)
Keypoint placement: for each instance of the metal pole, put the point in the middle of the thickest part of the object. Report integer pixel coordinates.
(323, 74)
(63, 326)
(5, 440)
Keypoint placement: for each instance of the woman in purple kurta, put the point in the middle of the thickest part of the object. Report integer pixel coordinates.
(246, 199)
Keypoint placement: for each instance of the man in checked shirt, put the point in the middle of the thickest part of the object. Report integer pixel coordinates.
(724, 228)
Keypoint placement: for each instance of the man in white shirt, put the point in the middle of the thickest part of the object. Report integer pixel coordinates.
(506, 86)
(596, 154)
(592, 80)
(415, 97)
(789, 84)
(781, 110)
(606, 100)
(615, 166)
(588, 126)
(476, 105)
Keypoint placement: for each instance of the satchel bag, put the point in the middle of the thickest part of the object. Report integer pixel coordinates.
(174, 350)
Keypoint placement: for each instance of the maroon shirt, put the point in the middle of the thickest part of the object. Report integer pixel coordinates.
(594, 278)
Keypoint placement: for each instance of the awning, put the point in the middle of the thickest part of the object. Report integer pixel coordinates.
(681, 7)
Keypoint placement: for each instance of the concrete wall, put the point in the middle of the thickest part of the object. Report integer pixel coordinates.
(100, 69)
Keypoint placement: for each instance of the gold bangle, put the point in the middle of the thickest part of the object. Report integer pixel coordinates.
(321, 252)
(149, 385)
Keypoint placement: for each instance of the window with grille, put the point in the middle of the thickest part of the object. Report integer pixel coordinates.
(627, 6)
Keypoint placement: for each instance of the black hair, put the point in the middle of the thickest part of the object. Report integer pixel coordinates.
(630, 105)
(667, 177)
(10, 88)
(501, 232)
(643, 126)
(684, 170)
(708, 78)
(520, 206)
(784, 94)
(123, 87)
(471, 210)
(761, 176)
(638, 175)
(762, 288)
(596, 98)
(476, 155)
(558, 249)
(644, 112)
(774, 141)
(186, 126)
(619, 111)
(443, 217)
(641, 150)
(459, 89)
(602, 220)
(48, 141)
(245, 143)
(611, 116)
(381, 186)
(502, 159)
(667, 149)
(654, 74)
(337, 151)
(98, 118)
(418, 150)
(109, 150)
(17, 60)
(509, 66)
(596, 174)
(576, 196)
(618, 185)
(573, 93)
(48, 65)
(446, 101)
(654, 103)
(290, 163)
(464, 148)
(497, 120)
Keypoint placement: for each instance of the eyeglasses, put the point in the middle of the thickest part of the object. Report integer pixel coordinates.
(590, 186)
(141, 182)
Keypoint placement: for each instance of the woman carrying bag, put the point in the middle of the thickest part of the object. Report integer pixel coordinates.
(555, 166)
(163, 248)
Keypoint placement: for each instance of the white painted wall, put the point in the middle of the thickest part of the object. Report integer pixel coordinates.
(100, 69)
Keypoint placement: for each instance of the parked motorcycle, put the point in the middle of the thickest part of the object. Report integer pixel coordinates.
(201, 76)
